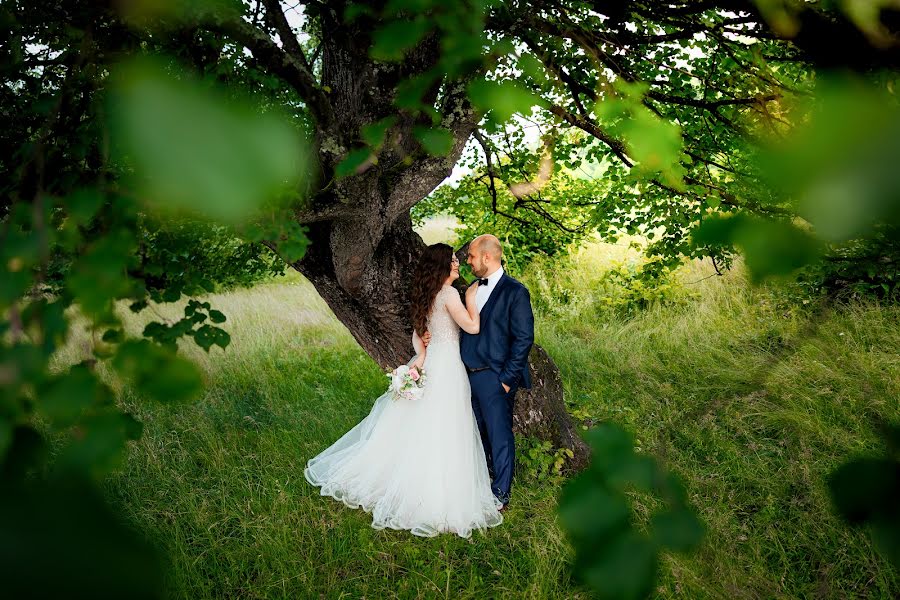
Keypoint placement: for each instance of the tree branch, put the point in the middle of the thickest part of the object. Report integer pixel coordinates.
(290, 68)
(617, 147)
(275, 17)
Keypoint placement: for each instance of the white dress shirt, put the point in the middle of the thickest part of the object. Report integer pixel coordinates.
(484, 291)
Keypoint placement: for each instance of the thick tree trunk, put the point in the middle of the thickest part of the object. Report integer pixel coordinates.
(378, 314)
(540, 412)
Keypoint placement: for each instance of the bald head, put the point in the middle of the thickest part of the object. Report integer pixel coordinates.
(489, 244)
(484, 256)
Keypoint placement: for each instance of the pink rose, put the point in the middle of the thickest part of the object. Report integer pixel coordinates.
(414, 374)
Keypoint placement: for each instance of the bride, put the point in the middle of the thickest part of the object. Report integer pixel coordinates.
(419, 465)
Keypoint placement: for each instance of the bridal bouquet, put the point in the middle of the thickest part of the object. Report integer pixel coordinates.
(407, 383)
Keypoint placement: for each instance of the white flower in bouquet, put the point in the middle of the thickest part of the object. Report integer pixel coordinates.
(407, 383)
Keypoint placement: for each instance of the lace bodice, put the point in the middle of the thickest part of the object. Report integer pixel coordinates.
(441, 325)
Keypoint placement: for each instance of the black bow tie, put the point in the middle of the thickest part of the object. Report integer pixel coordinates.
(482, 282)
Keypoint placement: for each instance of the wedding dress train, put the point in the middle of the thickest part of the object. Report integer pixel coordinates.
(417, 465)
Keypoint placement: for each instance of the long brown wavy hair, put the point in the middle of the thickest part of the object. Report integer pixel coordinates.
(430, 274)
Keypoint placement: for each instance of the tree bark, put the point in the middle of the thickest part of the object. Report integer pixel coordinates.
(540, 412)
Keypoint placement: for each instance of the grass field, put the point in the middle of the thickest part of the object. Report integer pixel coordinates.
(751, 400)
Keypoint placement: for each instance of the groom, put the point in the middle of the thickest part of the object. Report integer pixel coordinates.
(497, 357)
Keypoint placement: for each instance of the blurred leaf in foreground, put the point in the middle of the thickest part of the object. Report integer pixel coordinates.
(60, 540)
(840, 167)
(654, 143)
(613, 557)
(837, 169)
(770, 247)
(866, 491)
(194, 149)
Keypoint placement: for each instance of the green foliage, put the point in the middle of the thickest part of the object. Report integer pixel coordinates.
(654, 143)
(862, 268)
(612, 557)
(395, 39)
(621, 288)
(839, 171)
(436, 141)
(547, 221)
(537, 460)
(500, 100)
(63, 526)
(865, 492)
(770, 247)
(194, 148)
(199, 257)
(630, 289)
(99, 173)
(356, 161)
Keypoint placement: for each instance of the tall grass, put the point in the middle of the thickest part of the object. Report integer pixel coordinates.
(750, 400)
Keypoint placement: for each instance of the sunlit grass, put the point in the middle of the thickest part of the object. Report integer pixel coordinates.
(751, 400)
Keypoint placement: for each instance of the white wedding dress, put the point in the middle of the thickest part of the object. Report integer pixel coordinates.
(419, 464)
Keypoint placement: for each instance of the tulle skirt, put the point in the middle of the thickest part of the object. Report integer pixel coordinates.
(415, 465)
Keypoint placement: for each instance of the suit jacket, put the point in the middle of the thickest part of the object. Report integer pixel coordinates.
(506, 334)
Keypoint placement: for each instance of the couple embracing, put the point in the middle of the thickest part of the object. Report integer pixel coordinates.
(443, 462)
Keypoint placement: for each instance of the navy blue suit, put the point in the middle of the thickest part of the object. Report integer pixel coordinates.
(500, 353)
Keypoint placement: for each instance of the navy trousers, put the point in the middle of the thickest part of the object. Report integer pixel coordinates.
(493, 410)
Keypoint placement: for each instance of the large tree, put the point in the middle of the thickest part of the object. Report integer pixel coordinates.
(664, 95)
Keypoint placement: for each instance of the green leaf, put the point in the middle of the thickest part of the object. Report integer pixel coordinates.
(679, 530)
(532, 67)
(99, 275)
(374, 133)
(392, 41)
(632, 470)
(355, 162)
(293, 249)
(6, 435)
(172, 294)
(207, 336)
(356, 10)
(410, 91)
(113, 336)
(157, 372)
(866, 488)
(610, 444)
(775, 248)
(216, 316)
(436, 141)
(410, 6)
(502, 99)
(64, 398)
(98, 446)
(591, 513)
(82, 204)
(771, 248)
(866, 491)
(195, 149)
(66, 526)
(625, 569)
(26, 452)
